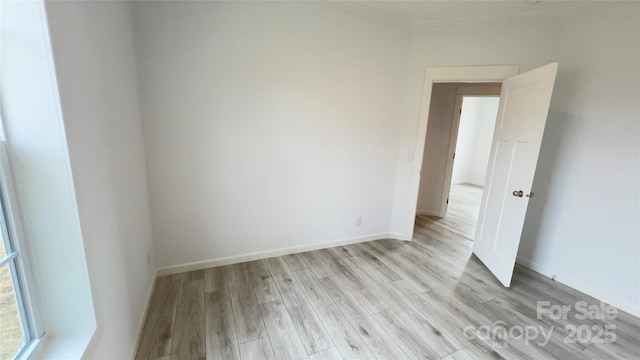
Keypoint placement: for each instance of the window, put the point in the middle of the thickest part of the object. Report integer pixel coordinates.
(19, 326)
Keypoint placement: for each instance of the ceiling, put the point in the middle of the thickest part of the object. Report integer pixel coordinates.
(429, 11)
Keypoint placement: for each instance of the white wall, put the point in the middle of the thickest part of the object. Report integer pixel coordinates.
(40, 163)
(583, 224)
(95, 66)
(267, 125)
(487, 114)
(466, 140)
(473, 147)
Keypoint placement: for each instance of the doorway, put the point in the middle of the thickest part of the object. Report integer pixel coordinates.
(470, 159)
(457, 147)
(522, 115)
(433, 76)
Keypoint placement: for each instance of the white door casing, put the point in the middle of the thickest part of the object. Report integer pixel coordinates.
(522, 115)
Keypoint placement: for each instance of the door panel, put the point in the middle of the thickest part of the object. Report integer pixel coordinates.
(522, 114)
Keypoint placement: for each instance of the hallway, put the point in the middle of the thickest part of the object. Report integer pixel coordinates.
(462, 214)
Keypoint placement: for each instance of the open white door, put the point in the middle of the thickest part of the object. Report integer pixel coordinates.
(522, 114)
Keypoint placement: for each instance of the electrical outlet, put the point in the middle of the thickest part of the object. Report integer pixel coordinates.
(359, 221)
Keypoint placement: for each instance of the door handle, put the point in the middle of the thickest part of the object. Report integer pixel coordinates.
(520, 193)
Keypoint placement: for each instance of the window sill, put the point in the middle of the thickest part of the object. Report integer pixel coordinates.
(66, 346)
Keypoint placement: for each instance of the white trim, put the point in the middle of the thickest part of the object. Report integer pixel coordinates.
(227, 260)
(439, 75)
(30, 348)
(453, 144)
(473, 183)
(27, 290)
(581, 286)
(428, 213)
(134, 350)
(398, 236)
(471, 74)
(7, 259)
(64, 346)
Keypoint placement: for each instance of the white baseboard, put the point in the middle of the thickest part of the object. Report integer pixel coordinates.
(398, 236)
(428, 213)
(474, 183)
(144, 317)
(582, 287)
(205, 264)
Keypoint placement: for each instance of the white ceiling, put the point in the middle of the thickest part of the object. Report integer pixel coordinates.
(427, 11)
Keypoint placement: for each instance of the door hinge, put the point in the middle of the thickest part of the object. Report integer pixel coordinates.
(447, 201)
(454, 156)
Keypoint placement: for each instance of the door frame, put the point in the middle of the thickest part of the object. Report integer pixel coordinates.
(470, 74)
(485, 90)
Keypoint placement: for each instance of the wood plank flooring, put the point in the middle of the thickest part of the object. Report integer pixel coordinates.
(382, 299)
(463, 210)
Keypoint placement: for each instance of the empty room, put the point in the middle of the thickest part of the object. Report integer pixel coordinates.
(444, 180)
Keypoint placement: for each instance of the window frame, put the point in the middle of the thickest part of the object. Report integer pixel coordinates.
(17, 257)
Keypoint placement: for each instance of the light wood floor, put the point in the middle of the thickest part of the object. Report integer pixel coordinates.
(382, 299)
(463, 210)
